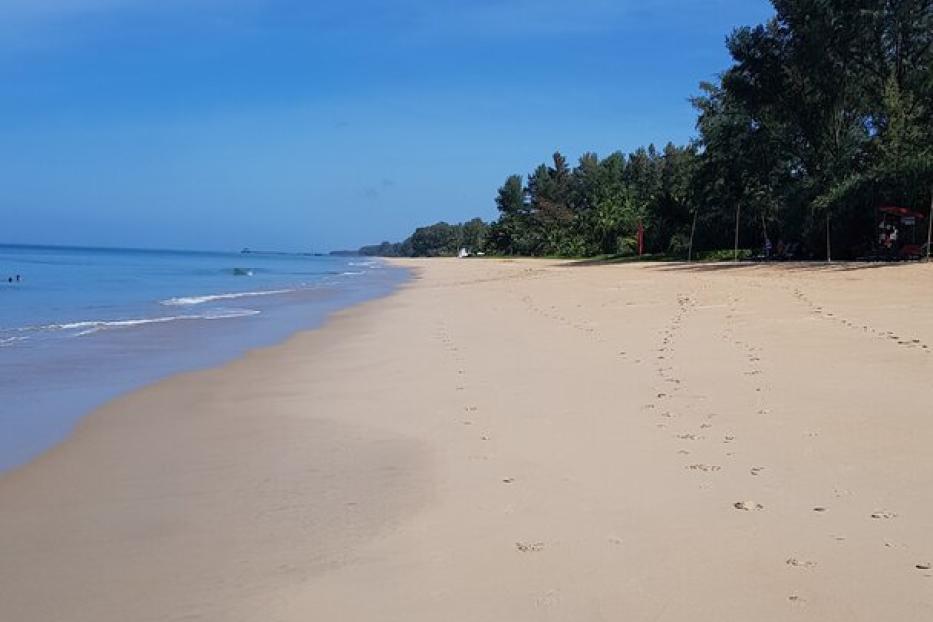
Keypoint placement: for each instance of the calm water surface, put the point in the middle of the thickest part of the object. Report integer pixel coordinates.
(84, 325)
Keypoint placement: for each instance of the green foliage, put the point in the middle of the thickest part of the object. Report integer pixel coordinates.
(596, 207)
(437, 240)
(825, 114)
(833, 97)
(385, 249)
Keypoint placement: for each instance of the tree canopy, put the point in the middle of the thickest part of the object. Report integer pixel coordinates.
(825, 114)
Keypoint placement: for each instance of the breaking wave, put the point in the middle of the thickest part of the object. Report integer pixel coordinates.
(197, 300)
(88, 327)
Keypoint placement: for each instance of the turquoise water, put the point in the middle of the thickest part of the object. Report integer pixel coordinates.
(83, 325)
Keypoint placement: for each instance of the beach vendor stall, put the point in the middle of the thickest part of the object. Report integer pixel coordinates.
(898, 235)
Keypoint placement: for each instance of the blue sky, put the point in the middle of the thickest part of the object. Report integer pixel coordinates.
(296, 125)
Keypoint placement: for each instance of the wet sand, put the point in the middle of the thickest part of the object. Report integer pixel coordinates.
(515, 440)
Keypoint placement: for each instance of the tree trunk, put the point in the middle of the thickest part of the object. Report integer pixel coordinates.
(930, 225)
(738, 214)
(693, 230)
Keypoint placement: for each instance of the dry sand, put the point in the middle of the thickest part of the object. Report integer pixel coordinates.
(515, 440)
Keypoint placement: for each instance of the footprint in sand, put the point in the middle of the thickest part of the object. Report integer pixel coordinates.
(883, 515)
(508, 480)
(756, 470)
(547, 600)
(798, 563)
(706, 468)
(748, 506)
(529, 547)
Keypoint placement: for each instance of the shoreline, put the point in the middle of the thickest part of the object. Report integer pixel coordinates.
(50, 384)
(116, 436)
(115, 403)
(513, 439)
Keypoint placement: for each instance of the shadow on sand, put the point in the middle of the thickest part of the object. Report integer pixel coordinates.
(748, 266)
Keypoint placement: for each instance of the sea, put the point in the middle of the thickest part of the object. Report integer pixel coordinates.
(83, 325)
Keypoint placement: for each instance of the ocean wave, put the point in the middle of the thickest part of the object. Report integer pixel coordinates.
(88, 327)
(197, 300)
(352, 273)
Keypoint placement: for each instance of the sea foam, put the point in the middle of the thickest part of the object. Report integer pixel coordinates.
(88, 327)
(197, 300)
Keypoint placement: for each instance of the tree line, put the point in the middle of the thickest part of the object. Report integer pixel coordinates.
(825, 114)
(437, 240)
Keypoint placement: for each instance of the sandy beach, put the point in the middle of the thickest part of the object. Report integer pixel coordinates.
(515, 440)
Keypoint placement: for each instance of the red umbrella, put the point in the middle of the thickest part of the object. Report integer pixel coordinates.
(900, 211)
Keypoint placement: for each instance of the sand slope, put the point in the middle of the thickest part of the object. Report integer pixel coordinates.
(515, 440)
